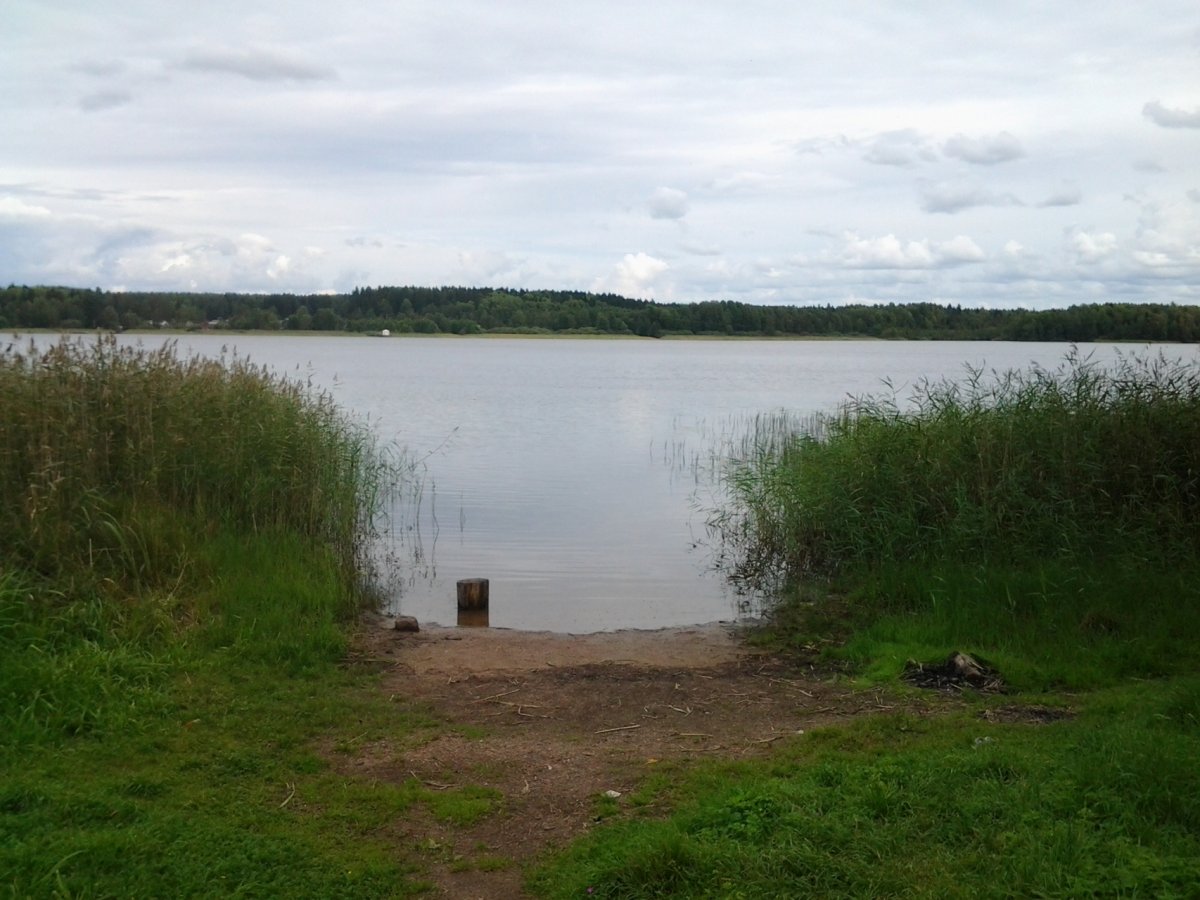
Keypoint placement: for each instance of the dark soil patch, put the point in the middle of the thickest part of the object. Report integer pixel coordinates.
(1027, 715)
(958, 672)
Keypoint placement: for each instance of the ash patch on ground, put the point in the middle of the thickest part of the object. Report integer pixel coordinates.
(958, 672)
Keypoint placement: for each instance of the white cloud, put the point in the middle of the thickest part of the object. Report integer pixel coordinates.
(889, 252)
(247, 262)
(483, 267)
(984, 151)
(1171, 117)
(1154, 259)
(668, 203)
(279, 267)
(636, 275)
(959, 249)
(1089, 247)
(13, 209)
(251, 246)
(178, 261)
(1166, 236)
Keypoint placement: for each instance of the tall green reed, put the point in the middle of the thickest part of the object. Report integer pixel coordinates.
(1082, 461)
(111, 457)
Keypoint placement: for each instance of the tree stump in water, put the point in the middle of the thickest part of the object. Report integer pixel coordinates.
(473, 593)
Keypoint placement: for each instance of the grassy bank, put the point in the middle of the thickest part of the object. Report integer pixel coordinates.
(1049, 524)
(901, 806)
(182, 554)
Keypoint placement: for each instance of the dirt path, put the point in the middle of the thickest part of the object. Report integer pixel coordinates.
(553, 721)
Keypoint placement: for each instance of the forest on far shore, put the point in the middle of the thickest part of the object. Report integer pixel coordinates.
(472, 310)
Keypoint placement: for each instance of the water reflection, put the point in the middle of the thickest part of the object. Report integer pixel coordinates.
(472, 618)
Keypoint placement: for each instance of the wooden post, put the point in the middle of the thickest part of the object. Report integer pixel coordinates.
(473, 593)
(472, 618)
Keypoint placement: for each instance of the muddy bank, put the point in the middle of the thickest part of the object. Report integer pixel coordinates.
(493, 650)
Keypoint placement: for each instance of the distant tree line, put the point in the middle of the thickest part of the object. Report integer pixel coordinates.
(464, 310)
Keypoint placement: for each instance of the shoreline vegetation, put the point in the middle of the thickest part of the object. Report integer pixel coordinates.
(183, 546)
(478, 311)
(1044, 523)
(182, 563)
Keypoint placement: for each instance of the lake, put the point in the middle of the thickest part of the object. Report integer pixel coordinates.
(577, 475)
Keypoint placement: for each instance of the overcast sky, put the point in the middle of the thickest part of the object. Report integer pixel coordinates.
(1000, 154)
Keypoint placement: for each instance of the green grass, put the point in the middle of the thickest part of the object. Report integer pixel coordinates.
(1050, 626)
(203, 764)
(899, 806)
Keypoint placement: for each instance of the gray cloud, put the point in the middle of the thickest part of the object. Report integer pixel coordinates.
(1194, 195)
(956, 196)
(1169, 117)
(100, 67)
(100, 100)
(984, 151)
(1067, 195)
(899, 148)
(819, 146)
(257, 65)
(668, 203)
(1149, 165)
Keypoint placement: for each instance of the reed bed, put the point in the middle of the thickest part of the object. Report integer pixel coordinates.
(113, 458)
(1079, 462)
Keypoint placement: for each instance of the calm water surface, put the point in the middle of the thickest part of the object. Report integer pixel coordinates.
(575, 474)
